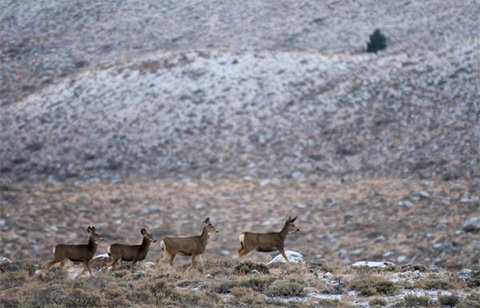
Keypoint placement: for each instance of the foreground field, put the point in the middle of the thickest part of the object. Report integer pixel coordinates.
(230, 283)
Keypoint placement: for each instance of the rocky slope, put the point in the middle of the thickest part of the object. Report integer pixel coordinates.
(214, 114)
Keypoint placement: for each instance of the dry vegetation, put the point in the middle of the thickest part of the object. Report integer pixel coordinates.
(219, 283)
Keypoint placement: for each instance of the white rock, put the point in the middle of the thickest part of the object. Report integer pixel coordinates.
(471, 224)
(373, 264)
(293, 257)
(4, 260)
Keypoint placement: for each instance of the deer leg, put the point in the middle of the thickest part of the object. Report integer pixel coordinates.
(132, 267)
(51, 263)
(110, 259)
(284, 255)
(62, 265)
(86, 264)
(194, 261)
(243, 251)
(201, 260)
(172, 259)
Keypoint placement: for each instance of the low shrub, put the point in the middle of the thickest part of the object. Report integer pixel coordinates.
(448, 300)
(320, 265)
(13, 279)
(433, 284)
(246, 295)
(371, 285)
(247, 267)
(285, 288)
(474, 279)
(378, 302)
(472, 301)
(417, 301)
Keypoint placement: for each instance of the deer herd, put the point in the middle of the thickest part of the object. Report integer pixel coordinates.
(193, 246)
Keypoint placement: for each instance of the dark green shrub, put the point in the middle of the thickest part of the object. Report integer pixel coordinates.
(377, 42)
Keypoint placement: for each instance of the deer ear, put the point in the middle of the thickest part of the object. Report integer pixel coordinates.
(207, 220)
(144, 231)
(89, 229)
(293, 219)
(288, 219)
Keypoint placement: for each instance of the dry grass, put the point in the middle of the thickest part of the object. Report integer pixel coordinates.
(218, 284)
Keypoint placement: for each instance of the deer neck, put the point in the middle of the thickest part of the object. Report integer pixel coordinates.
(205, 236)
(284, 232)
(92, 245)
(145, 244)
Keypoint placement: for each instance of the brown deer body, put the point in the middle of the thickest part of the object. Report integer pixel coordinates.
(77, 253)
(266, 242)
(186, 246)
(132, 253)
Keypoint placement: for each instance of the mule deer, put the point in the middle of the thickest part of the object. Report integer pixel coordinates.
(186, 246)
(266, 242)
(77, 253)
(131, 253)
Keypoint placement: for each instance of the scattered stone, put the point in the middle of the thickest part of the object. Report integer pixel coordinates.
(405, 203)
(152, 209)
(472, 224)
(298, 176)
(467, 198)
(464, 274)
(421, 195)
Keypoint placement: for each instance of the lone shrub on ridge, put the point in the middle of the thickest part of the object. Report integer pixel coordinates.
(378, 41)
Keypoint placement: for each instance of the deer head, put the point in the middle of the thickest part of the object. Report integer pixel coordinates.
(94, 235)
(209, 227)
(290, 224)
(147, 236)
